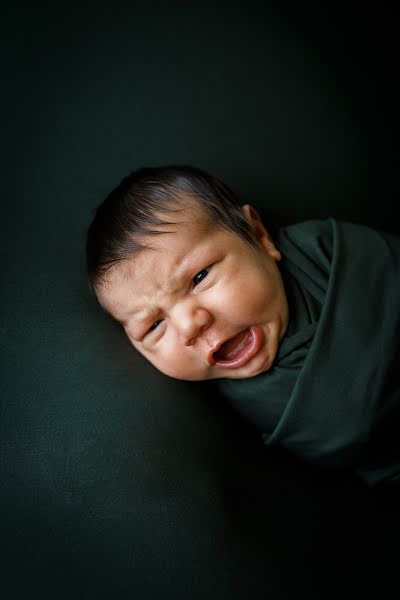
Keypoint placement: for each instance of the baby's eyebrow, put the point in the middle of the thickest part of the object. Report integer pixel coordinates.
(140, 316)
(136, 326)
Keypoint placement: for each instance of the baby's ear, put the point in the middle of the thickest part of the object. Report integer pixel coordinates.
(260, 233)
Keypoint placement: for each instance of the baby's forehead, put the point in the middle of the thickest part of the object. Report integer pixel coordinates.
(185, 210)
(160, 258)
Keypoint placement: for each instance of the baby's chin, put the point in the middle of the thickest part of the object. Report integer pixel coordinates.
(221, 373)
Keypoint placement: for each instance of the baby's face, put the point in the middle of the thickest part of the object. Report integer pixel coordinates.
(199, 302)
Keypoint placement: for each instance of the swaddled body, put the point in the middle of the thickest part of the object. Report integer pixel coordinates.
(333, 394)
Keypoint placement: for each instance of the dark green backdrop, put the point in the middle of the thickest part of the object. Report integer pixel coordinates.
(116, 482)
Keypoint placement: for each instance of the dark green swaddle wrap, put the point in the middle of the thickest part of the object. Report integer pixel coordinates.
(332, 396)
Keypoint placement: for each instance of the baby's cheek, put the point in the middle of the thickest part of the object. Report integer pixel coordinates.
(180, 367)
(174, 360)
(142, 351)
(249, 297)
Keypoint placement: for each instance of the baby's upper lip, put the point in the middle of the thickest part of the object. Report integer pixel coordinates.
(217, 346)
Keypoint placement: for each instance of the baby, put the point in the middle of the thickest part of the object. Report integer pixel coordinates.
(301, 328)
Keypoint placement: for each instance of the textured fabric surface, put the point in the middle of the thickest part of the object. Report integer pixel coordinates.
(333, 394)
(116, 482)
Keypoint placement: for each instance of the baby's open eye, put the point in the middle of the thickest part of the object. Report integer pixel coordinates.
(200, 276)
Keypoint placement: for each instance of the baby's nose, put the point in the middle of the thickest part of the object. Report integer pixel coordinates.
(193, 324)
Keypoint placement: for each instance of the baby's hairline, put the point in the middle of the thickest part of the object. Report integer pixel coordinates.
(181, 203)
(139, 205)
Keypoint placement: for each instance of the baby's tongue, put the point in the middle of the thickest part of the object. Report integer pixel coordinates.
(231, 348)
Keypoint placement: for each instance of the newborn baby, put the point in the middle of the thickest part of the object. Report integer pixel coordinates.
(301, 328)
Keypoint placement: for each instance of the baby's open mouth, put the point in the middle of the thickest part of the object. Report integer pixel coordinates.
(238, 350)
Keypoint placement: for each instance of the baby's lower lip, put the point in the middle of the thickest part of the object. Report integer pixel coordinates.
(247, 352)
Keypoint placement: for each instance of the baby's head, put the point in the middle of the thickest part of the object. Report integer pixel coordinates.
(190, 274)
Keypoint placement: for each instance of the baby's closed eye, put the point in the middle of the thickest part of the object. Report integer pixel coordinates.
(154, 325)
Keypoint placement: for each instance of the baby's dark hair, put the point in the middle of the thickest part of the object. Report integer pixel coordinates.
(130, 211)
